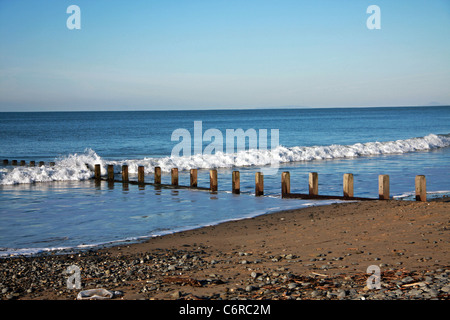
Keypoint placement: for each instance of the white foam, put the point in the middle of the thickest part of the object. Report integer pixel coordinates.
(73, 167)
(281, 154)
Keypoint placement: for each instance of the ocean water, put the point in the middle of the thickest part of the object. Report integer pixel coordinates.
(60, 207)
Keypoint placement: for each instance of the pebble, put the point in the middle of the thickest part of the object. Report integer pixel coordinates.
(250, 288)
(27, 278)
(292, 285)
(176, 295)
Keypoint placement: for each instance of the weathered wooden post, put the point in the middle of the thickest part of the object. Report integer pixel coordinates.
(235, 182)
(32, 163)
(141, 174)
(22, 163)
(125, 173)
(259, 184)
(41, 163)
(52, 164)
(174, 172)
(348, 185)
(421, 188)
(14, 162)
(5, 162)
(313, 183)
(383, 187)
(97, 172)
(110, 172)
(193, 179)
(157, 175)
(285, 183)
(213, 180)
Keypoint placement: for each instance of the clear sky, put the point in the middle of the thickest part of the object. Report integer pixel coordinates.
(192, 54)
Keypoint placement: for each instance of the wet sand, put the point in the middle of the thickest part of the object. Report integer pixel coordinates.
(258, 258)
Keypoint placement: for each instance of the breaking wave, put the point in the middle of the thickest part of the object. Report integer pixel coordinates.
(73, 166)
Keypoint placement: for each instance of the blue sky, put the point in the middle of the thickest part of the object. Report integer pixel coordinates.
(136, 55)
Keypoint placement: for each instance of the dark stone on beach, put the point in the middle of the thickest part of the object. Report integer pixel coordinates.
(250, 288)
(292, 285)
(315, 293)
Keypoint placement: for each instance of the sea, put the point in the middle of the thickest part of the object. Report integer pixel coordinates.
(61, 208)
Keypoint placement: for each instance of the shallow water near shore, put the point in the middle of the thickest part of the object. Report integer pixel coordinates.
(51, 208)
(63, 215)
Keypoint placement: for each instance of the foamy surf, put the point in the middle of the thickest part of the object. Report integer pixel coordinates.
(73, 167)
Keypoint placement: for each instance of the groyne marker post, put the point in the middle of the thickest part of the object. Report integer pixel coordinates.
(285, 183)
(235, 182)
(157, 175)
(97, 172)
(348, 185)
(213, 180)
(383, 187)
(110, 172)
(313, 183)
(193, 178)
(421, 188)
(259, 184)
(174, 173)
(124, 173)
(141, 174)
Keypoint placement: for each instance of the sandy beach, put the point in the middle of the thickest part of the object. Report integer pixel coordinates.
(317, 253)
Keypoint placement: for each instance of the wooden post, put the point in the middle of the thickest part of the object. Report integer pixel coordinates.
(52, 164)
(383, 187)
(193, 178)
(421, 188)
(32, 163)
(5, 162)
(348, 185)
(157, 175)
(213, 180)
(14, 162)
(110, 172)
(22, 162)
(174, 172)
(41, 163)
(235, 183)
(125, 173)
(313, 183)
(97, 172)
(285, 183)
(259, 184)
(141, 174)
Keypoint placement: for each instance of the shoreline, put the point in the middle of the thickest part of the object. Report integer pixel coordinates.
(284, 255)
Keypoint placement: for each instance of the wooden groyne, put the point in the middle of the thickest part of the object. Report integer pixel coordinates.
(23, 163)
(347, 192)
(313, 186)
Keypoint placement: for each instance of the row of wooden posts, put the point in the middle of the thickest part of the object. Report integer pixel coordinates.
(23, 163)
(383, 183)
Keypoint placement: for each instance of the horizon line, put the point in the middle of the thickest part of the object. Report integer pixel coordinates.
(233, 108)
